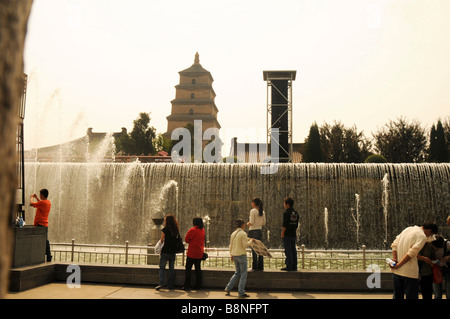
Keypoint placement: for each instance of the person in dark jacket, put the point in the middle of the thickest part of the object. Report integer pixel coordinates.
(169, 235)
(425, 258)
(289, 234)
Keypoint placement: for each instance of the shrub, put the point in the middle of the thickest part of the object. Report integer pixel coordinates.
(375, 158)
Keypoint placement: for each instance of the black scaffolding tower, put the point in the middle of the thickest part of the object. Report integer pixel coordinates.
(279, 112)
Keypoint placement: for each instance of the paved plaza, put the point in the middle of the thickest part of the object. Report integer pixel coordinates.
(59, 290)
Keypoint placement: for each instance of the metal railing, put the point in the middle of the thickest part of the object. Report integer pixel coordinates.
(220, 257)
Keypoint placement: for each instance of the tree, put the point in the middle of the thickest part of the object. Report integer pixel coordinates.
(401, 142)
(313, 149)
(433, 145)
(446, 126)
(140, 140)
(13, 28)
(438, 151)
(160, 143)
(123, 143)
(375, 158)
(356, 147)
(333, 139)
(343, 145)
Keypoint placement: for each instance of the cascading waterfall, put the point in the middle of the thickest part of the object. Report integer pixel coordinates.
(110, 203)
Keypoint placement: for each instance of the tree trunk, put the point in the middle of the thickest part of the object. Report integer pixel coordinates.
(13, 26)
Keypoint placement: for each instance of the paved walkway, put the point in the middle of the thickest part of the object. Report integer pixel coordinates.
(60, 290)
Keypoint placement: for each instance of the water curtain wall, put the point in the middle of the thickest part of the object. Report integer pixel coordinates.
(359, 204)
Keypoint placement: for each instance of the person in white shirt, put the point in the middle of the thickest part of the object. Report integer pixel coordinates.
(405, 249)
(256, 221)
(238, 250)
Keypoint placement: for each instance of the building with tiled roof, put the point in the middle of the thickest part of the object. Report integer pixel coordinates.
(194, 100)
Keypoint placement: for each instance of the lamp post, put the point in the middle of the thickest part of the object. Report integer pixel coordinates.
(155, 236)
(20, 168)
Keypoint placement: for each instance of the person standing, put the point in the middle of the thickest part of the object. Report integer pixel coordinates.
(426, 255)
(169, 235)
(195, 237)
(438, 245)
(445, 265)
(405, 249)
(42, 205)
(443, 254)
(238, 244)
(289, 234)
(257, 220)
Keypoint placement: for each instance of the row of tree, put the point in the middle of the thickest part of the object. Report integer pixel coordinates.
(143, 139)
(399, 141)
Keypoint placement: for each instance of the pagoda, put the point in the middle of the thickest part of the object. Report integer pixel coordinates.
(194, 100)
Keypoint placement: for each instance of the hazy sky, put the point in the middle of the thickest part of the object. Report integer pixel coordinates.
(99, 63)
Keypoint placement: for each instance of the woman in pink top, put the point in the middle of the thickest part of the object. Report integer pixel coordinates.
(195, 237)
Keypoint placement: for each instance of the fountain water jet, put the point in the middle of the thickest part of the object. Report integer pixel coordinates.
(207, 222)
(356, 217)
(325, 221)
(106, 146)
(164, 193)
(385, 203)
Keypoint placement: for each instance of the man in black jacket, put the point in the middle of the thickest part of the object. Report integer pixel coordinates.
(289, 234)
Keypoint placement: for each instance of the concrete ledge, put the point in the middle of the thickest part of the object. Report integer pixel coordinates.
(25, 278)
(213, 278)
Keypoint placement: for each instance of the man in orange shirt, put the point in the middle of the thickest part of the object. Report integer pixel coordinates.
(41, 218)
